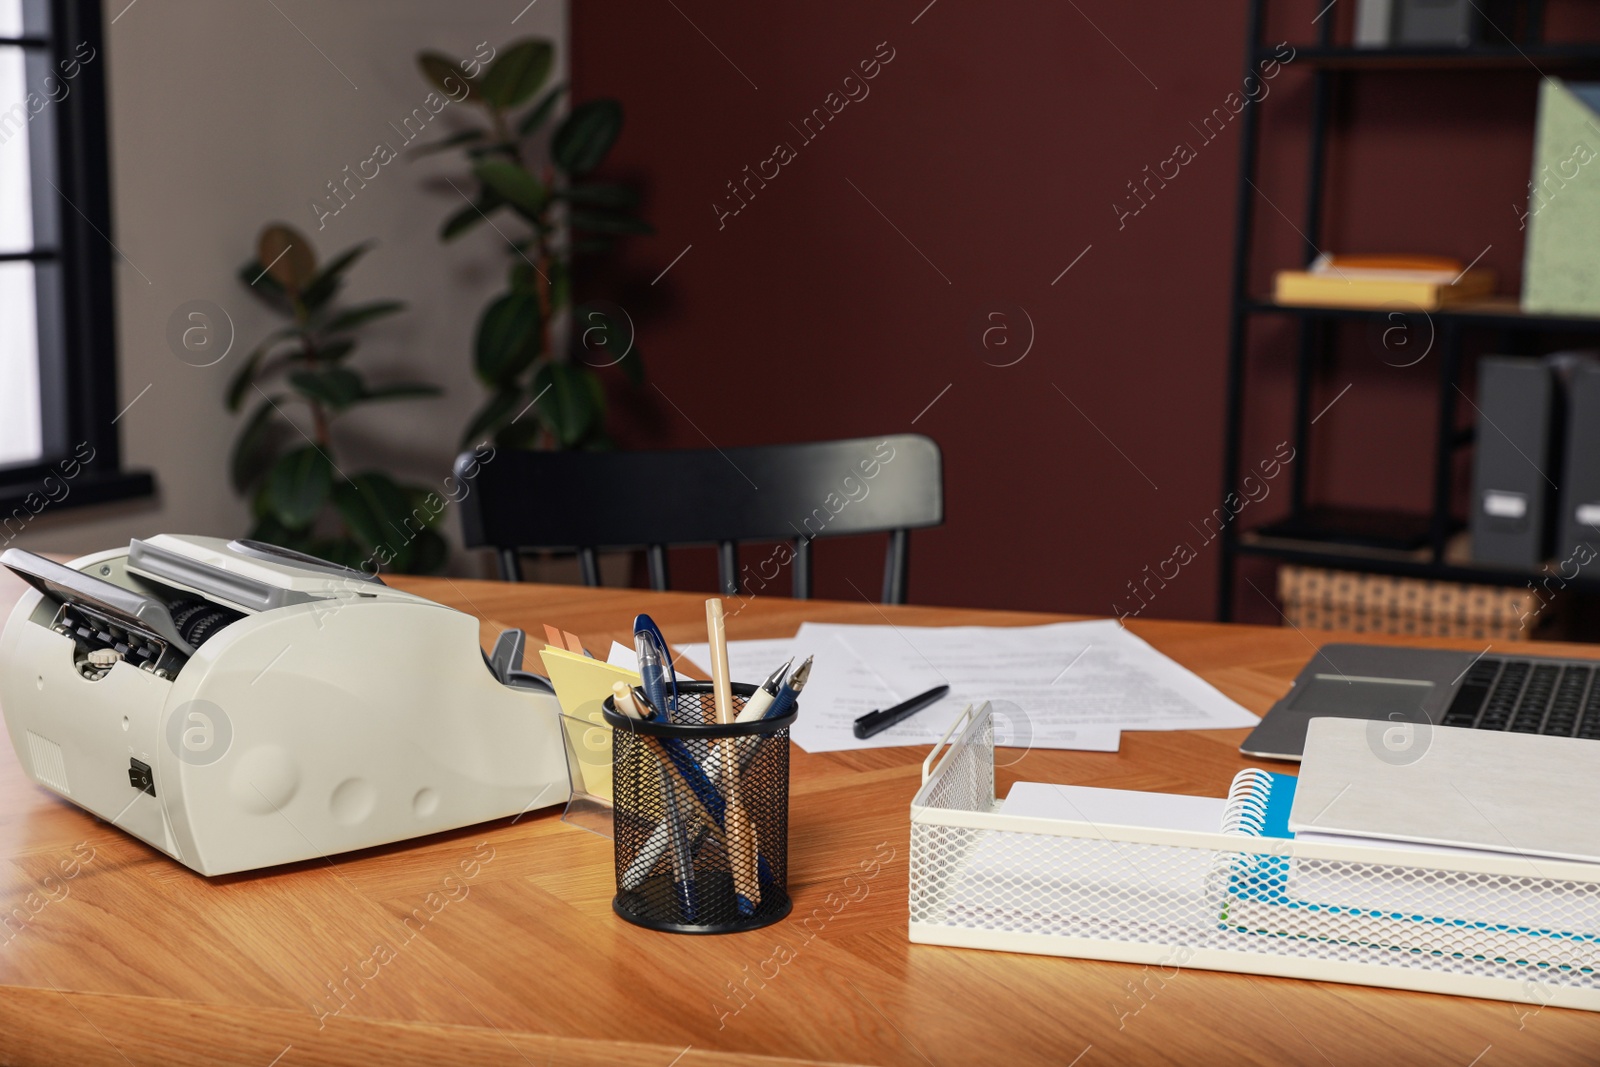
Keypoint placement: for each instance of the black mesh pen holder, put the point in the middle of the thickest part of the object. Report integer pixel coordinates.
(701, 816)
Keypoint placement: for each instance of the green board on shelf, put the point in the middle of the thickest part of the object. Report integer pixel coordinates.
(1561, 263)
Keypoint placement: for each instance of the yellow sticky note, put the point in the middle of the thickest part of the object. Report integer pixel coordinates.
(582, 686)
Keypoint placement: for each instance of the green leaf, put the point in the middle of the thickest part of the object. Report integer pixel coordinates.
(521, 276)
(261, 506)
(393, 518)
(322, 287)
(401, 391)
(374, 508)
(247, 372)
(567, 403)
(601, 194)
(428, 553)
(418, 496)
(514, 184)
(269, 530)
(517, 73)
(255, 278)
(541, 111)
(455, 140)
(501, 406)
(361, 314)
(586, 135)
(508, 338)
(336, 387)
(243, 378)
(607, 222)
(334, 351)
(462, 221)
(252, 452)
(445, 73)
(337, 550)
(298, 486)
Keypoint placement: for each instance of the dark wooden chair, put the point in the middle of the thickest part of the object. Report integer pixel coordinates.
(790, 494)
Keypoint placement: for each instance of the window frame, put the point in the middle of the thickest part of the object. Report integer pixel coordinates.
(82, 460)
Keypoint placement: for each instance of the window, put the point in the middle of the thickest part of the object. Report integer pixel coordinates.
(58, 439)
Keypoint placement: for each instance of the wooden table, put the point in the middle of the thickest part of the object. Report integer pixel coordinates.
(138, 960)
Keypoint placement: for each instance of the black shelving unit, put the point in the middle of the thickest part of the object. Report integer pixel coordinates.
(1317, 326)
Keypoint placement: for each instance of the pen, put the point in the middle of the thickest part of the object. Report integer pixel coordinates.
(677, 830)
(645, 622)
(789, 692)
(756, 707)
(653, 669)
(742, 846)
(875, 722)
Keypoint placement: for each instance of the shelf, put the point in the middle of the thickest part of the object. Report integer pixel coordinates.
(1502, 312)
(1402, 564)
(1366, 528)
(1534, 58)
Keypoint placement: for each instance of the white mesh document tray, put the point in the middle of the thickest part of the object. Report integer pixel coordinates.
(1506, 927)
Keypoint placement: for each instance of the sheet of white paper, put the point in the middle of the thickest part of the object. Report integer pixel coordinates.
(1063, 685)
(626, 658)
(1116, 807)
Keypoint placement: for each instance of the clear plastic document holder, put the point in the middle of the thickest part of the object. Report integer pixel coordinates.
(1503, 927)
(588, 741)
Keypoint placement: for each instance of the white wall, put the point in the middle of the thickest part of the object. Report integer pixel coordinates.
(225, 116)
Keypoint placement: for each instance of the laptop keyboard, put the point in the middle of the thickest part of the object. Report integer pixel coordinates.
(1528, 697)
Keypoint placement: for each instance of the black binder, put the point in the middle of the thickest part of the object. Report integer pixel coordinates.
(1578, 546)
(1513, 477)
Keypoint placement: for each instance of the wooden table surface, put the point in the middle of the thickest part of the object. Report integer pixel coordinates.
(137, 960)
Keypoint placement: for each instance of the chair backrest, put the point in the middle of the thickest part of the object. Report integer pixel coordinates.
(785, 493)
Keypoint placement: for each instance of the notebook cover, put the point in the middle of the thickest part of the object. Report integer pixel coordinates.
(1522, 794)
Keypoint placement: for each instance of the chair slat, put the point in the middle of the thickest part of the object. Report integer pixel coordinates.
(655, 557)
(801, 572)
(728, 567)
(589, 566)
(895, 563)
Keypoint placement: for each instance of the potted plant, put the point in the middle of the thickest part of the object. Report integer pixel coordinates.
(300, 496)
(558, 213)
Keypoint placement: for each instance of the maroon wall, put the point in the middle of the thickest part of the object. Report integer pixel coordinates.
(986, 155)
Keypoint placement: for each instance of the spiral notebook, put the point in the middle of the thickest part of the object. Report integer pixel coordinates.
(1102, 887)
(1045, 882)
(1493, 919)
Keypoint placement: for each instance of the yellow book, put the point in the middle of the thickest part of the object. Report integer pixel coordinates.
(582, 685)
(1371, 289)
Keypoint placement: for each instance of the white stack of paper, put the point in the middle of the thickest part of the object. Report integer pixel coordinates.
(1063, 685)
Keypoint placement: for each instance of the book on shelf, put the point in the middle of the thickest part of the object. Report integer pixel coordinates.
(1420, 283)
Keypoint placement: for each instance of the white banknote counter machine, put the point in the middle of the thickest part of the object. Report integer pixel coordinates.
(238, 705)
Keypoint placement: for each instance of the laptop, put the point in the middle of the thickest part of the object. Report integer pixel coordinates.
(1482, 691)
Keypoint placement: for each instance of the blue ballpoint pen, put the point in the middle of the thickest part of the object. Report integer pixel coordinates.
(664, 693)
(653, 673)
